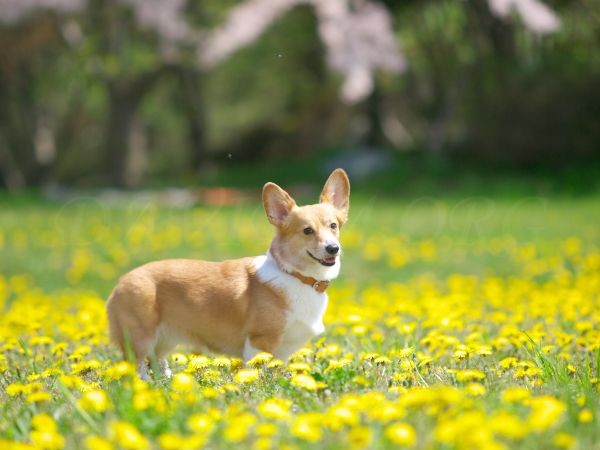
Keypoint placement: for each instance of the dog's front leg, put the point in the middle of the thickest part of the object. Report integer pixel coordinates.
(256, 344)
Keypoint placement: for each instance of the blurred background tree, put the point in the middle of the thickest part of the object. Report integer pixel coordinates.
(99, 92)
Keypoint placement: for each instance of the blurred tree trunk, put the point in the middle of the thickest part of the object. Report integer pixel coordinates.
(125, 155)
(437, 135)
(18, 121)
(375, 135)
(12, 177)
(121, 111)
(492, 31)
(191, 82)
(22, 161)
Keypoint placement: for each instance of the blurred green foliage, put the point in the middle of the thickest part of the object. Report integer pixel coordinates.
(95, 99)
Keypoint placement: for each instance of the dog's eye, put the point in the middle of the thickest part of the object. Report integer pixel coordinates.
(333, 226)
(308, 230)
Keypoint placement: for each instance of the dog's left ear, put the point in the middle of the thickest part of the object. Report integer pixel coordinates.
(336, 192)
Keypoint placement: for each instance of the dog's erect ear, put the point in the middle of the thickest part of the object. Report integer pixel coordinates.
(277, 203)
(337, 192)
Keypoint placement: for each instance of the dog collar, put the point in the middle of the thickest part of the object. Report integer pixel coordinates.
(319, 286)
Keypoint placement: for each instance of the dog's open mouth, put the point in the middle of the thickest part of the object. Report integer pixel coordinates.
(325, 261)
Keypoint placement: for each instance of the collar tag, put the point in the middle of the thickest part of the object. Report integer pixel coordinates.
(321, 286)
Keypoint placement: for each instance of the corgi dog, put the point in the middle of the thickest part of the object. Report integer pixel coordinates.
(271, 303)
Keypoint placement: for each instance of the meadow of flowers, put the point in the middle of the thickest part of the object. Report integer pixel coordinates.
(455, 325)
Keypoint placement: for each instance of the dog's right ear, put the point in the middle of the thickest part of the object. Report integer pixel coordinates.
(277, 203)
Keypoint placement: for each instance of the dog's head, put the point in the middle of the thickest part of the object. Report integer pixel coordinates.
(307, 237)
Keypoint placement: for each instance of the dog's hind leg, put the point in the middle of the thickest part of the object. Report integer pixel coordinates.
(163, 347)
(134, 319)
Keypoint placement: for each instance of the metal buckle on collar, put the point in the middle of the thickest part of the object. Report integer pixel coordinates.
(320, 286)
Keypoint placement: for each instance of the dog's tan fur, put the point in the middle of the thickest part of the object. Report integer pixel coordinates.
(207, 304)
(220, 306)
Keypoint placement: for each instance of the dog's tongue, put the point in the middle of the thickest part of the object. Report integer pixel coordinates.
(329, 260)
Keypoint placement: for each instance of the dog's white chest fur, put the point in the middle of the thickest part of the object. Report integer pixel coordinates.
(307, 306)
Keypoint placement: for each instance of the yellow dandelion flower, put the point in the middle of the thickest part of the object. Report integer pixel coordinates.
(15, 389)
(302, 353)
(369, 356)
(98, 443)
(339, 416)
(328, 351)
(407, 365)
(337, 364)
(469, 375)
(515, 395)
(45, 433)
(564, 440)
(183, 382)
(401, 434)
(360, 437)
(507, 425)
(461, 352)
(41, 340)
(424, 359)
(128, 436)
(51, 371)
(266, 429)
(210, 392)
(238, 427)
(48, 440)
(171, 441)
(245, 376)
(143, 400)
(360, 330)
(527, 372)
(275, 364)
(298, 367)
(260, 359)
(84, 366)
(307, 426)
(179, 359)
(304, 381)
(475, 389)
(201, 423)
(275, 408)
(94, 400)
(397, 390)
(585, 416)
(222, 362)
(406, 352)
(211, 375)
(38, 397)
(119, 370)
(361, 381)
(263, 443)
(509, 362)
(545, 412)
(197, 363)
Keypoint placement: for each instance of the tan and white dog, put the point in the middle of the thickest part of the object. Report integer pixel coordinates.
(273, 303)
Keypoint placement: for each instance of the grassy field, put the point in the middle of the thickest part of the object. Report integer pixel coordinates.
(457, 323)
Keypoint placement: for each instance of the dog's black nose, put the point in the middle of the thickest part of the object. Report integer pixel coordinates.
(332, 249)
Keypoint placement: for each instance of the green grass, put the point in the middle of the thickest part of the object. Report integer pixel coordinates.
(460, 229)
(515, 275)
